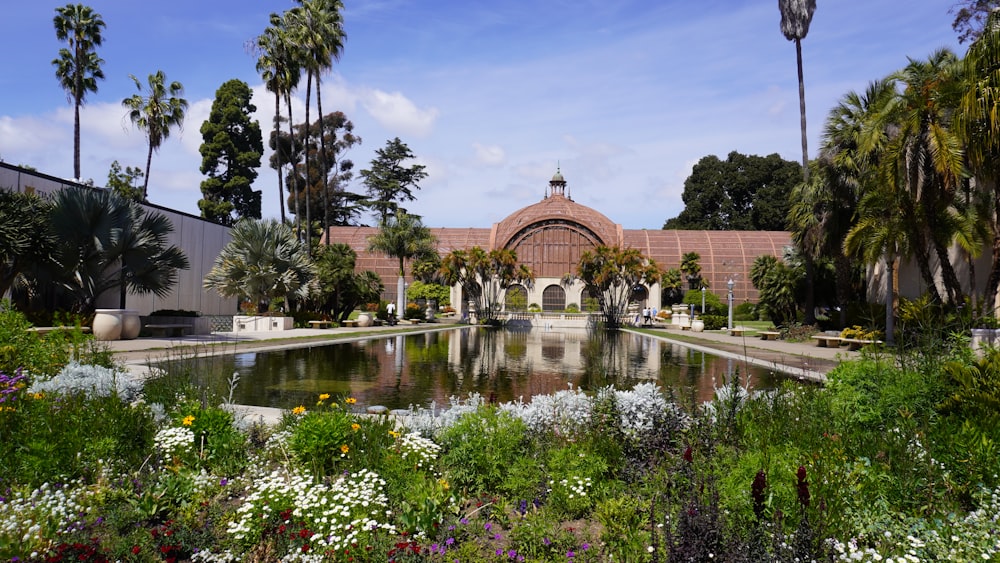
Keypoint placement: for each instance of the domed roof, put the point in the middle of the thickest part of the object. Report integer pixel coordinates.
(556, 209)
(558, 177)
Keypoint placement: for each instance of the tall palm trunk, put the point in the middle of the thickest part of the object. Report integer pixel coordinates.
(76, 139)
(890, 299)
(802, 111)
(293, 187)
(306, 152)
(277, 148)
(322, 159)
(149, 162)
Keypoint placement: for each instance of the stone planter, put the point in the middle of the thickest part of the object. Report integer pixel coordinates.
(107, 324)
(199, 325)
(365, 319)
(247, 323)
(697, 325)
(131, 324)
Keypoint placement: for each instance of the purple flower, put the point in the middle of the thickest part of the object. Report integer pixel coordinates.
(546, 541)
(464, 521)
(570, 554)
(585, 546)
(449, 541)
(487, 526)
(499, 552)
(512, 554)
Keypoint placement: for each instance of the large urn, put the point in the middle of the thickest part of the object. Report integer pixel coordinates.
(365, 319)
(131, 325)
(107, 324)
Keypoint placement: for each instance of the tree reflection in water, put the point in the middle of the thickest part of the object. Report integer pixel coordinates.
(502, 365)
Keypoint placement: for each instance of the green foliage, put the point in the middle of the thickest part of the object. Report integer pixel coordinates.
(54, 438)
(742, 192)
(480, 447)
(219, 447)
(263, 261)
(429, 291)
(413, 312)
(323, 438)
(156, 111)
(231, 149)
(340, 289)
(389, 182)
(125, 183)
(485, 277)
(574, 474)
(610, 273)
(778, 284)
(37, 355)
(713, 305)
(625, 522)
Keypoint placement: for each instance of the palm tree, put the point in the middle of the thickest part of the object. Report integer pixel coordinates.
(610, 273)
(78, 68)
(156, 113)
(796, 15)
(107, 242)
(979, 124)
(317, 29)
(926, 158)
(281, 75)
(404, 237)
(880, 234)
(264, 261)
(485, 277)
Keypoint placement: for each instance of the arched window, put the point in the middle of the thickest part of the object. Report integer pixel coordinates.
(553, 298)
(516, 299)
(639, 294)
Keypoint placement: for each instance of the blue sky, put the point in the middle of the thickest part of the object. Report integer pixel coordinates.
(625, 96)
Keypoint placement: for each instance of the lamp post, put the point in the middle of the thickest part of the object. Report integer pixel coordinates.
(730, 285)
(703, 301)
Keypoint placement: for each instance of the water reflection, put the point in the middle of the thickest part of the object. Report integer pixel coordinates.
(415, 369)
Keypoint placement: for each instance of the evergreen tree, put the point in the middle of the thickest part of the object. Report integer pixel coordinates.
(231, 150)
(389, 182)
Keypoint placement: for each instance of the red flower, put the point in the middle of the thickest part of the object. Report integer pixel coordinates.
(136, 549)
(688, 455)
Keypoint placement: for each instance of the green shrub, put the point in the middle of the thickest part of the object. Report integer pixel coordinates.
(323, 438)
(413, 312)
(219, 446)
(19, 348)
(480, 447)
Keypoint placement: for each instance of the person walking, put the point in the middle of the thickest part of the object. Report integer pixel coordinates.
(390, 309)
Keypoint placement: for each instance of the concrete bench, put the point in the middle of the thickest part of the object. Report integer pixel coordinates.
(736, 332)
(857, 343)
(320, 324)
(168, 329)
(826, 341)
(685, 327)
(411, 321)
(769, 335)
(351, 324)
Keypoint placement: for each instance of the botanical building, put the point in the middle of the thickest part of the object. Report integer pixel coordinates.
(550, 236)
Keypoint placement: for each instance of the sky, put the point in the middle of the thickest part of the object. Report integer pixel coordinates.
(623, 96)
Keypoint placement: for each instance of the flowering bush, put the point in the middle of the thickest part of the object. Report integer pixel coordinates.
(305, 517)
(92, 381)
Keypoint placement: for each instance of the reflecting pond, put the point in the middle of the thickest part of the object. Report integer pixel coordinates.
(503, 365)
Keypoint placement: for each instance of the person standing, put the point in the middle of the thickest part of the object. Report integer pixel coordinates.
(390, 309)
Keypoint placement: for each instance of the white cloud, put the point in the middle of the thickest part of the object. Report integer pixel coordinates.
(397, 113)
(490, 155)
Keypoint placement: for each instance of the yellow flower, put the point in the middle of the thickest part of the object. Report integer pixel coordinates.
(350, 400)
(344, 449)
(324, 396)
(38, 395)
(355, 427)
(394, 434)
(444, 484)
(299, 410)
(188, 420)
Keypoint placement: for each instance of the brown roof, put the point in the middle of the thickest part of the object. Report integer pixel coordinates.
(559, 208)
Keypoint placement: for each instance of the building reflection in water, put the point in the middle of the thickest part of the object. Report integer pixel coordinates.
(503, 365)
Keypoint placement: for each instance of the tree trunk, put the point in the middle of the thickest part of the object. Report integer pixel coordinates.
(322, 160)
(76, 140)
(890, 316)
(293, 189)
(145, 183)
(810, 312)
(802, 112)
(277, 150)
(306, 153)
